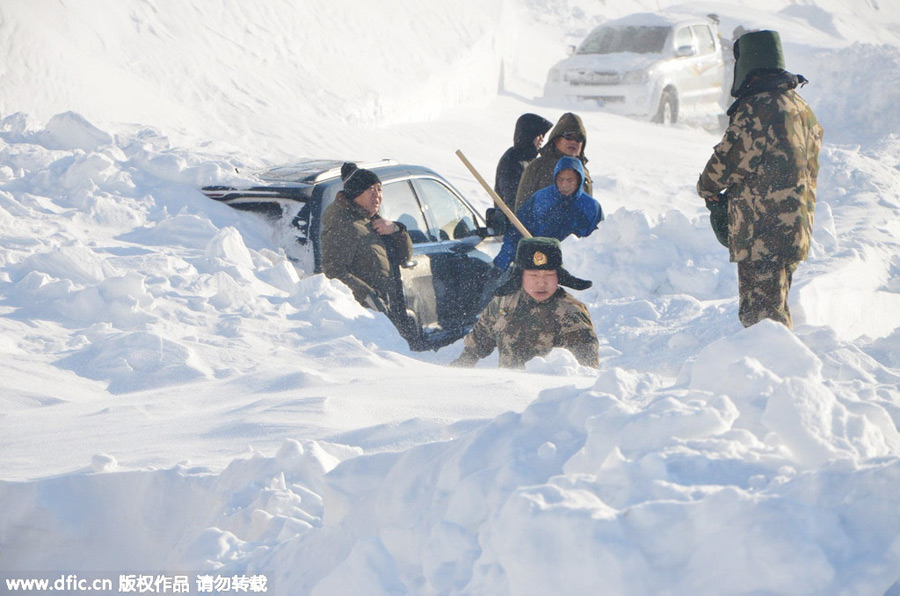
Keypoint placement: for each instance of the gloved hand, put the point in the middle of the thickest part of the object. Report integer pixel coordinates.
(718, 218)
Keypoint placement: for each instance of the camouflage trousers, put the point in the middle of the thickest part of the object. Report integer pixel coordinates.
(763, 287)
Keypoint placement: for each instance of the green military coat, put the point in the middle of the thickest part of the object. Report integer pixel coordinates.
(360, 257)
(767, 162)
(522, 328)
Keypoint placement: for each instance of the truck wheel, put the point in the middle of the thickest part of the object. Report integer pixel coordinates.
(667, 114)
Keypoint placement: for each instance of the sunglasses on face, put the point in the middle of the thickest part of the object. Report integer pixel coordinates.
(573, 136)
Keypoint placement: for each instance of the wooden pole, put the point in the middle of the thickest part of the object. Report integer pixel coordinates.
(497, 200)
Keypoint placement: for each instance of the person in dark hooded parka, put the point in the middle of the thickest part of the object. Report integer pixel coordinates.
(557, 211)
(527, 141)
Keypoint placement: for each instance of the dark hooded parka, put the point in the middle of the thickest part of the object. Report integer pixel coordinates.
(512, 164)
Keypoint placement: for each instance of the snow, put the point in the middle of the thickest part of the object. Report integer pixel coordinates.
(177, 397)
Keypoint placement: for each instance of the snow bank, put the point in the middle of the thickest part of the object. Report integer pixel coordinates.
(624, 480)
(135, 250)
(852, 104)
(231, 73)
(772, 484)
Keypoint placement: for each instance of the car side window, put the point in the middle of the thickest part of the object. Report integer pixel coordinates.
(450, 218)
(329, 193)
(399, 204)
(705, 42)
(683, 38)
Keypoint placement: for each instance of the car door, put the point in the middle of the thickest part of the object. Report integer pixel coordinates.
(688, 71)
(400, 204)
(709, 63)
(460, 259)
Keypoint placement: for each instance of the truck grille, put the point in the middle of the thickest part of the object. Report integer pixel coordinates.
(594, 78)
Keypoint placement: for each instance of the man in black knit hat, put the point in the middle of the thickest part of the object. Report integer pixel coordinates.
(362, 249)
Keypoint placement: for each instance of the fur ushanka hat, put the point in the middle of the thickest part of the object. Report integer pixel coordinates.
(540, 253)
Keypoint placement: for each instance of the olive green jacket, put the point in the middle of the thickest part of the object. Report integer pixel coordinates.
(767, 164)
(539, 173)
(523, 329)
(360, 257)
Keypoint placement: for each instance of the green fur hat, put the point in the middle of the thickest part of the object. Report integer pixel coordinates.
(757, 49)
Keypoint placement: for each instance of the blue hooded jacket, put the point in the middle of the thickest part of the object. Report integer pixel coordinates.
(550, 214)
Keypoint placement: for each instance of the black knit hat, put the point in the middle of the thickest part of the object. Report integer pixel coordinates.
(540, 253)
(346, 169)
(358, 181)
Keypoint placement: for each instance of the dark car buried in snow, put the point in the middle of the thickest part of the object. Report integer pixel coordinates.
(453, 247)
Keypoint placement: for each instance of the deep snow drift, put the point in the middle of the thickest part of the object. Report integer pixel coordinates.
(178, 398)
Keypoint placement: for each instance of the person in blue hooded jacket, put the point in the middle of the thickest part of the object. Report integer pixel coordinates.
(557, 211)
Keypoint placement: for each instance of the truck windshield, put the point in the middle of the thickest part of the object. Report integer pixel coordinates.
(640, 40)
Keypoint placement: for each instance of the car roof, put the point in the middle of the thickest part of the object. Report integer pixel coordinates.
(312, 171)
(656, 19)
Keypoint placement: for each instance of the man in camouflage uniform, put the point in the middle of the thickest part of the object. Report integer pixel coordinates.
(530, 314)
(765, 167)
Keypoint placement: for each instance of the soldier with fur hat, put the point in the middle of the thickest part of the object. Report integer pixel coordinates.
(531, 314)
(765, 169)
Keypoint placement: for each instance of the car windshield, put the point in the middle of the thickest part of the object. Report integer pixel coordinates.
(612, 40)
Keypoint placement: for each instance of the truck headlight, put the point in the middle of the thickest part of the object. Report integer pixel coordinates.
(636, 76)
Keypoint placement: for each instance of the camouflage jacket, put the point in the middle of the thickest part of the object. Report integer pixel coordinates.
(767, 163)
(360, 257)
(522, 329)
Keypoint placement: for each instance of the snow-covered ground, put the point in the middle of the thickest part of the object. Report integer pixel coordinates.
(178, 399)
